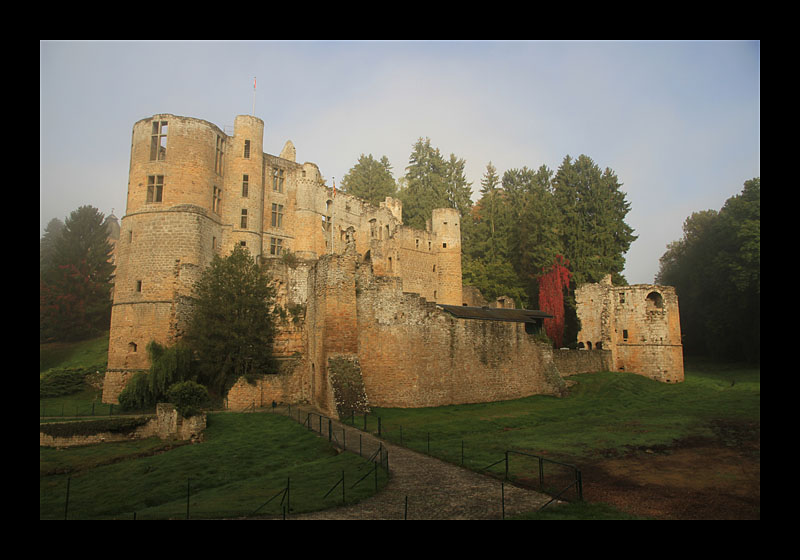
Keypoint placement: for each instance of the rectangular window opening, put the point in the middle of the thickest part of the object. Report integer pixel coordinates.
(155, 188)
(277, 215)
(158, 141)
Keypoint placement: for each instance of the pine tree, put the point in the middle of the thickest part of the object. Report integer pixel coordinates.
(533, 225)
(75, 278)
(593, 232)
(426, 184)
(370, 179)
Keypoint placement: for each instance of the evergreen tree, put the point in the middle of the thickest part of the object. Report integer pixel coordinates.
(425, 184)
(370, 179)
(232, 328)
(593, 232)
(47, 243)
(75, 278)
(492, 207)
(534, 219)
(485, 245)
(458, 191)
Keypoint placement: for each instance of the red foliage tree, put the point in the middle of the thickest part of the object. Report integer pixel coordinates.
(551, 297)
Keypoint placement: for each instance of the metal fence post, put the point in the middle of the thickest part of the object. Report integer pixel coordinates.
(503, 500)
(66, 502)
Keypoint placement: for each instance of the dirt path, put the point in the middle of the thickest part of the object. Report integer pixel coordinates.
(433, 489)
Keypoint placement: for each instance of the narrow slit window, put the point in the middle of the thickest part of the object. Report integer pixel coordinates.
(245, 185)
(216, 199)
(220, 151)
(244, 218)
(247, 149)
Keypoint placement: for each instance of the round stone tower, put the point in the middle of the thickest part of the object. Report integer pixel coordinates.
(446, 228)
(242, 202)
(169, 234)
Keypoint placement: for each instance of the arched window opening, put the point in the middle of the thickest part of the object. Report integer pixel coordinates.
(655, 300)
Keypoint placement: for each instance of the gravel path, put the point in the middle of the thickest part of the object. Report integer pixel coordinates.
(433, 489)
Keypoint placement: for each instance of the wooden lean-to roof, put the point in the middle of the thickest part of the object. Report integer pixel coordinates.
(496, 313)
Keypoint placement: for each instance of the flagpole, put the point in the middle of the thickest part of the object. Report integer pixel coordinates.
(254, 96)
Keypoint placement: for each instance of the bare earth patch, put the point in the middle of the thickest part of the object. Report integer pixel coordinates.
(693, 479)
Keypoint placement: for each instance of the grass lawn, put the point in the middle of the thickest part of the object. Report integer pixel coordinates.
(608, 413)
(245, 460)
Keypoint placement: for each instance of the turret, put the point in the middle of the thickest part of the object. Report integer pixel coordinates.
(242, 201)
(446, 229)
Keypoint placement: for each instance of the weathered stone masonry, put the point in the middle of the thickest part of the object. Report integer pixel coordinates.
(362, 293)
(639, 324)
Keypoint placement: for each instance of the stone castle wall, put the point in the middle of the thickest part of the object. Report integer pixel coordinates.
(195, 192)
(355, 286)
(638, 324)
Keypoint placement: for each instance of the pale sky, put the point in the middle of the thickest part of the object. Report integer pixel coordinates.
(678, 122)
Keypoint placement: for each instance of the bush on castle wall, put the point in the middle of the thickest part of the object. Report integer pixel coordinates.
(91, 427)
(63, 381)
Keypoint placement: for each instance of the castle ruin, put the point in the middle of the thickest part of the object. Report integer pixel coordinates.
(377, 314)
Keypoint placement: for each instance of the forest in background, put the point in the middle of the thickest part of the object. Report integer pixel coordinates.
(533, 234)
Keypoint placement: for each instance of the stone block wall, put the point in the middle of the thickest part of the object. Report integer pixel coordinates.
(638, 324)
(569, 362)
(167, 424)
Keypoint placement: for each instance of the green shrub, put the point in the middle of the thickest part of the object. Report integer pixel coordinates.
(187, 397)
(168, 365)
(60, 382)
(90, 427)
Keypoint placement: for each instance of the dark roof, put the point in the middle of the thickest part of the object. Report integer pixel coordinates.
(496, 313)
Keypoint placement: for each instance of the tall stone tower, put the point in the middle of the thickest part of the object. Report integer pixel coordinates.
(243, 192)
(172, 228)
(446, 228)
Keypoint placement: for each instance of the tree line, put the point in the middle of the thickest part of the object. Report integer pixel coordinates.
(526, 223)
(716, 271)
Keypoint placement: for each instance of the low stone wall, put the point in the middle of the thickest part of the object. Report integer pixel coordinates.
(570, 362)
(166, 424)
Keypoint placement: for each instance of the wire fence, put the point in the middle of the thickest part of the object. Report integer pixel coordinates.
(559, 480)
(75, 410)
(300, 493)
